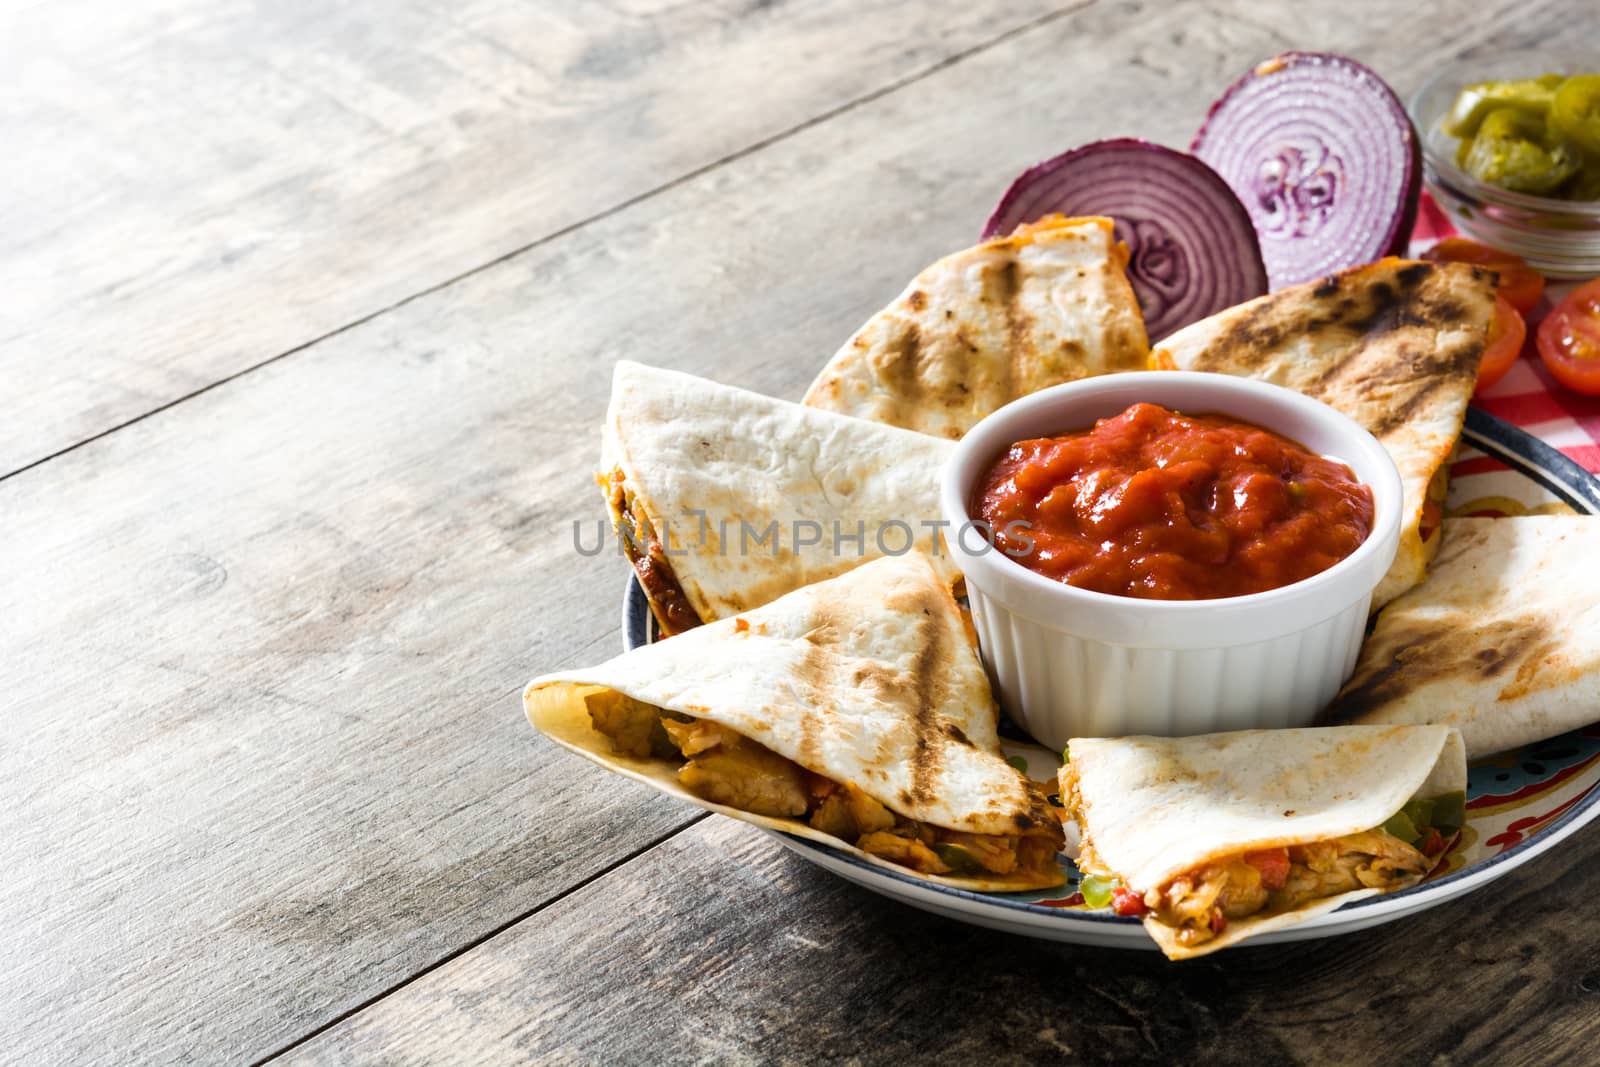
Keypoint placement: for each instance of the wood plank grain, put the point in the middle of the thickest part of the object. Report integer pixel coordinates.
(722, 946)
(263, 758)
(194, 187)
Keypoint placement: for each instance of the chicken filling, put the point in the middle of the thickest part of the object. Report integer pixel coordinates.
(643, 549)
(725, 767)
(1200, 903)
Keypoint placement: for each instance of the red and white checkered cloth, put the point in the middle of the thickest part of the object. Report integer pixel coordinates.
(1527, 396)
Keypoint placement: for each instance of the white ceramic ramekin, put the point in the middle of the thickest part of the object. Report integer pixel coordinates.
(1068, 662)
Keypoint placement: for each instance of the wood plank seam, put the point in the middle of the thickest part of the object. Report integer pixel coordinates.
(895, 86)
(476, 942)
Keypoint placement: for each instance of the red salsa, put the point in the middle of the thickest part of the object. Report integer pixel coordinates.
(1165, 506)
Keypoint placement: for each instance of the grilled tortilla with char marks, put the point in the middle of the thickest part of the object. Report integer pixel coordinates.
(1395, 345)
(1501, 640)
(854, 712)
(1216, 838)
(1197, 905)
(724, 499)
(1048, 304)
(729, 769)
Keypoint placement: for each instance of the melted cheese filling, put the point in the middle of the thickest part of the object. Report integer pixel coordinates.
(1200, 903)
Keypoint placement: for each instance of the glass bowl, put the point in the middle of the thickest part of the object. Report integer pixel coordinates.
(1559, 237)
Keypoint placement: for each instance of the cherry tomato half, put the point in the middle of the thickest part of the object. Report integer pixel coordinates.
(1507, 331)
(1569, 340)
(1520, 284)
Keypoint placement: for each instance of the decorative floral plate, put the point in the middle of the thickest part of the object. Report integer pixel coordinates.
(1519, 803)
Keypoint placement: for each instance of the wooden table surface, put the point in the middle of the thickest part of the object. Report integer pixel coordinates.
(307, 317)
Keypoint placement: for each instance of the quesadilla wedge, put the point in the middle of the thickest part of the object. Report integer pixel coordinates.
(724, 500)
(1500, 641)
(853, 712)
(1048, 304)
(1394, 344)
(1220, 837)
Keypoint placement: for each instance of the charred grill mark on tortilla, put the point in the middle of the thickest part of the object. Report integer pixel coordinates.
(925, 757)
(1449, 647)
(900, 366)
(1495, 659)
(1006, 286)
(1245, 343)
(956, 734)
(1418, 381)
(903, 358)
(1418, 297)
(1543, 666)
(1006, 290)
(929, 686)
(814, 677)
(1392, 419)
(1412, 276)
(1498, 641)
(990, 317)
(1383, 313)
(1072, 351)
(1018, 330)
(1467, 538)
(925, 681)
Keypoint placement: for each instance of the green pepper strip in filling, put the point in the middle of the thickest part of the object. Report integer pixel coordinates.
(728, 768)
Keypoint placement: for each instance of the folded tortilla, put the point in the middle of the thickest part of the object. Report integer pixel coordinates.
(1173, 819)
(1394, 344)
(853, 712)
(980, 328)
(1500, 641)
(725, 499)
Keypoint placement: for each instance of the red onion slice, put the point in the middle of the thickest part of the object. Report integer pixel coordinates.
(1325, 159)
(1192, 250)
